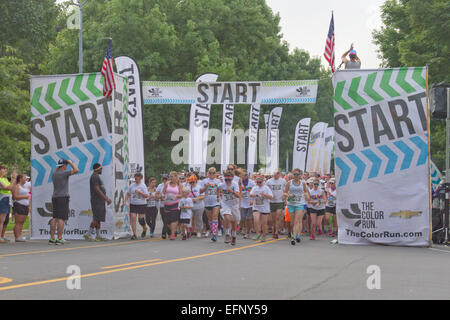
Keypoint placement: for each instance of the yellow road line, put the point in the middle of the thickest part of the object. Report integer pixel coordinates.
(30, 284)
(5, 280)
(76, 248)
(130, 264)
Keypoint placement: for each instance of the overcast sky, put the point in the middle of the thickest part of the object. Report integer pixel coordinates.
(305, 24)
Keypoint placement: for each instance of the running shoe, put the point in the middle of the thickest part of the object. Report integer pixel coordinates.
(220, 233)
(151, 234)
(189, 235)
(20, 240)
(275, 236)
(133, 237)
(227, 238)
(172, 237)
(52, 241)
(144, 233)
(257, 237)
(184, 237)
(87, 237)
(320, 232)
(312, 237)
(233, 241)
(263, 238)
(59, 242)
(100, 239)
(298, 239)
(207, 234)
(214, 238)
(163, 236)
(246, 236)
(5, 239)
(199, 234)
(293, 241)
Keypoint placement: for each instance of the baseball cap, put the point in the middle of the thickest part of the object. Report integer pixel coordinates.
(61, 162)
(165, 176)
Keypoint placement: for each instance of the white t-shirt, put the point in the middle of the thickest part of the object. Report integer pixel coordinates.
(245, 202)
(261, 204)
(317, 195)
(331, 198)
(152, 202)
(137, 199)
(195, 193)
(159, 189)
(277, 187)
(185, 213)
(211, 192)
(229, 199)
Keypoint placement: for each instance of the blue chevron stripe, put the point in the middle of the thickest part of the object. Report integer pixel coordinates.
(52, 164)
(360, 167)
(94, 151)
(434, 174)
(81, 156)
(423, 148)
(345, 171)
(407, 151)
(41, 172)
(376, 163)
(108, 155)
(392, 159)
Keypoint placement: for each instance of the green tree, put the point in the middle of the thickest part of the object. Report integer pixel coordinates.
(415, 33)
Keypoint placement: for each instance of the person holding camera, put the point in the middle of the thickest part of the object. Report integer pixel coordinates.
(60, 199)
(354, 62)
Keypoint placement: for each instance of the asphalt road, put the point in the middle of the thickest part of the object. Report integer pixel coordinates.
(199, 269)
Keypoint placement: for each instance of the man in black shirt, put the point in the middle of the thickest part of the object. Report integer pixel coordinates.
(98, 199)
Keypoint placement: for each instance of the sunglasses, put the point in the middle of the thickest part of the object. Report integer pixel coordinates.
(316, 184)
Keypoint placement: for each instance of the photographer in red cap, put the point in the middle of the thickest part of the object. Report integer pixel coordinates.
(354, 62)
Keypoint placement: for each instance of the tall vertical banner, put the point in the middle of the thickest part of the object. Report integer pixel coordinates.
(382, 156)
(301, 144)
(435, 175)
(72, 120)
(315, 144)
(227, 133)
(325, 166)
(253, 136)
(321, 146)
(272, 161)
(127, 67)
(198, 130)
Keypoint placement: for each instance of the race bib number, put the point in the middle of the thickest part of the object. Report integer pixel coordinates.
(259, 201)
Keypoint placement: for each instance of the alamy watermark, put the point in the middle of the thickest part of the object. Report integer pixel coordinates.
(374, 280)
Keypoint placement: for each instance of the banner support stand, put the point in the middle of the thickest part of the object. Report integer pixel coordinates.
(447, 171)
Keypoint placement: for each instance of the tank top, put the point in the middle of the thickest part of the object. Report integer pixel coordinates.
(23, 192)
(331, 201)
(171, 193)
(296, 195)
(316, 195)
(4, 193)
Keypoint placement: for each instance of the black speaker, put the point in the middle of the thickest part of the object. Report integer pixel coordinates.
(437, 223)
(438, 100)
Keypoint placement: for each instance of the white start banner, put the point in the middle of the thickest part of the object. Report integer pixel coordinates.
(326, 155)
(72, 120)
(199, 129)
(227, 133)
(301, 144)
(316, 142)
(272, 160)
(211, 92)
(253, 136)
(382, 156)
(127, 67)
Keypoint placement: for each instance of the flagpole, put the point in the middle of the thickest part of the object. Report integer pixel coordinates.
(80, 38)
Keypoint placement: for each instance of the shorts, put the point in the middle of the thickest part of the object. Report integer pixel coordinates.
(185, 221)
(210, 208)
(276, 206)
(331, 210)
(234, 212)
(246, 214)
(98, 212)
(319, 213)
(4, 205)
(292, 209)
(61, 208)
(139, 209)
(263, 213)
(172, 216)
(20, 209)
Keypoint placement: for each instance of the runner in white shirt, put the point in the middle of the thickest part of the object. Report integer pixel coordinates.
(210, 187)
(199, 204)
(318, 199)
(137, 194)
(277, 185)
(261, 195)
(246, 204)
(159, 190)
(330, 209)
(230, 194)
(185, 205)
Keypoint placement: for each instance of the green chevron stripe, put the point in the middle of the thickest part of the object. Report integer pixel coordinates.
(102, 82)
(353, 92)
(35, 101)
(402, 82)
(368, 88)
(338, 96)
(49, 97)
(91, 85)
(63, 92)
(385, 86)
(335, 110)
(77, 88)
(417, 77)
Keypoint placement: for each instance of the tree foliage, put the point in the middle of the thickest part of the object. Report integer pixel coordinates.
(415, 33)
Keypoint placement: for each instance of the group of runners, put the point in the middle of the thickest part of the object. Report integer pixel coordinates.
(235, 202)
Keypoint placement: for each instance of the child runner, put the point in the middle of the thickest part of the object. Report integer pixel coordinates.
(199, 204)
(152, 204)
(185, 205)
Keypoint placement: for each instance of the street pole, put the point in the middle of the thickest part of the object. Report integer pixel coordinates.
(447, 169)
(80, 44)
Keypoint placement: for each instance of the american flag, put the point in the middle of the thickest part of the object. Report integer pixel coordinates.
(107, 72)
(329, 47)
